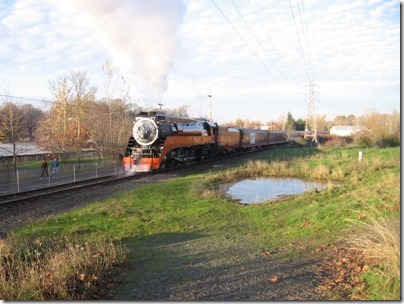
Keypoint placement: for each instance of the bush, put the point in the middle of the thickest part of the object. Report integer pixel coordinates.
(365, 141)
(336, 141)
(390, 141)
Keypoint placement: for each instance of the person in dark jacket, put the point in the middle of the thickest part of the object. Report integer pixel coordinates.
(44, 168)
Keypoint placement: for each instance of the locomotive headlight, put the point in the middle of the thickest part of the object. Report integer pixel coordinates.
(145, 131)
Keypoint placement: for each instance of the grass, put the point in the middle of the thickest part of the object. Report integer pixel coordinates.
(379, 239)
(37, 164)
(49, 268)
(193, 205)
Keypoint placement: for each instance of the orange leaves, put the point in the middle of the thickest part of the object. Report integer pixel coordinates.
(274, 279)
(344, 269)
(322, 247)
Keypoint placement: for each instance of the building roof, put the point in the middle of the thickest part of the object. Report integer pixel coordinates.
(346, 128)
(26, 148)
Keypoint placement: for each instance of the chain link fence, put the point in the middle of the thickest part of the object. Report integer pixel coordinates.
(18, 180)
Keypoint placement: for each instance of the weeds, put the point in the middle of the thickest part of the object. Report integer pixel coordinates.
(379, 240)
(55, 270)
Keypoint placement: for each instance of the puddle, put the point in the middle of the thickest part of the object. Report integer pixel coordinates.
(253, 191)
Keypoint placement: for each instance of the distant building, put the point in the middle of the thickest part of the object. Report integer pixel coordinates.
(25, 151)
(22, 149)
(345, 130)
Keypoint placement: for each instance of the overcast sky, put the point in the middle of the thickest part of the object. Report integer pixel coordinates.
(255, 57)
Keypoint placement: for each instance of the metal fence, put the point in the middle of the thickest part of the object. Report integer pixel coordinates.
(19, 180)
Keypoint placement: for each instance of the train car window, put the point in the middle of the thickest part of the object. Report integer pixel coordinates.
(234, 130)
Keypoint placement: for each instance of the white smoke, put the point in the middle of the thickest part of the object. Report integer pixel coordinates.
(141, 36)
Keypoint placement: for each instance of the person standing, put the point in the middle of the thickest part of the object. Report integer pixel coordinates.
(44, 168)
(55, 168)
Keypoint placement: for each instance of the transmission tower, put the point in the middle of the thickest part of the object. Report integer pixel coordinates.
(310, 131)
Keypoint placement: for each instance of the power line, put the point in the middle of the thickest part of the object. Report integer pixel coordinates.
(245, 42)
(300, 43)
(252, 51)
(310, 55)
(53, 102)
(256, 38)
(270, 40)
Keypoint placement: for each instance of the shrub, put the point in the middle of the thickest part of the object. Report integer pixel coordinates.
(390, 141)
(365, 141)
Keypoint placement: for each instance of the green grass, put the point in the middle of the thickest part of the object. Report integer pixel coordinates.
(37, 164)
(293, 226)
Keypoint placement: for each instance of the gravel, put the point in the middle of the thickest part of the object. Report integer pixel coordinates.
(190, 267)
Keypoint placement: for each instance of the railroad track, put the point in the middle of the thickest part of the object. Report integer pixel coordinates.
(29, 195)
(41, 192)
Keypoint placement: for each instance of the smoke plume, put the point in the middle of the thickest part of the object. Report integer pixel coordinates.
(141, 36)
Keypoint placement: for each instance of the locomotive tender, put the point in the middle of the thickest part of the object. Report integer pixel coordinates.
(162, 141)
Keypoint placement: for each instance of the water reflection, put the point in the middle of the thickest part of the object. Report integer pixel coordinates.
(250, 191)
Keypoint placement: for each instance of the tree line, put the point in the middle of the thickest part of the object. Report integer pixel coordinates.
(77, 120)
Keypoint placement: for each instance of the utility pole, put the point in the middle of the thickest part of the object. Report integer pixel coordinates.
(160, 105)
(310, 131)
(210, 107)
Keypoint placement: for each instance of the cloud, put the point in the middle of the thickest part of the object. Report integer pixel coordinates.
(391, 6)
(141, 37)
(179, 54)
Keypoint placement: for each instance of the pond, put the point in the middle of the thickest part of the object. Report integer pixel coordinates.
(252, 191)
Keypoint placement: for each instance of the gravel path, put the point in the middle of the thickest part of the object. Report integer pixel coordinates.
(201, 267)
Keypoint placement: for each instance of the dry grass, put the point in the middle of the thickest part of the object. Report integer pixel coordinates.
(54, 269)
(379, 240)
(337, 174)
(320, 171)
(373, 163)
(202, 190)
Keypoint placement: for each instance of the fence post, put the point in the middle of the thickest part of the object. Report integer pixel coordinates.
(96, 170)
(74, 173)
(18, 181)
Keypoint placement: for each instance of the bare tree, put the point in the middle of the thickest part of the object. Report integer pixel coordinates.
(12, 126)
(381, 129)
(32, 117)
(116, 100)
(52, 131)
(64, 126)
(83, 94)
(62, 91)
(99, 135)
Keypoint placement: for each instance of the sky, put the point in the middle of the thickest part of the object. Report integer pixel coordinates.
(258, 59)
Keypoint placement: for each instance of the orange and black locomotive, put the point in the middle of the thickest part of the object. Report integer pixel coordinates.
(162, 141)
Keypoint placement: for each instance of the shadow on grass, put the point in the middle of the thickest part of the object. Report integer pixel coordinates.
(194, 266)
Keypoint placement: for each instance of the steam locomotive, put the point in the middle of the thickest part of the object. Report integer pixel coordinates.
(163, 141)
